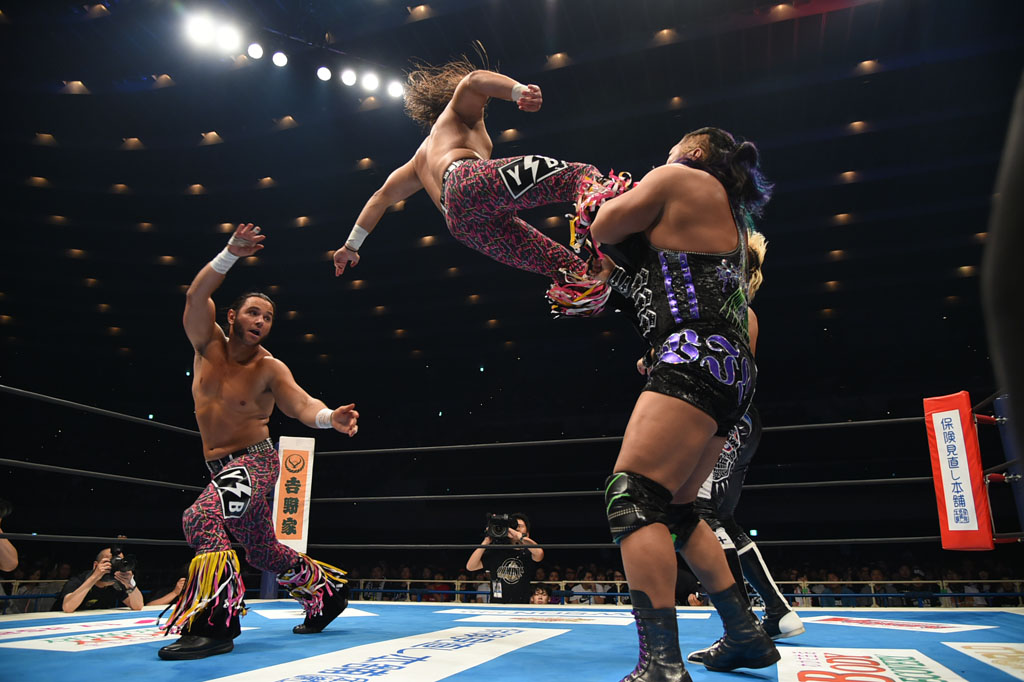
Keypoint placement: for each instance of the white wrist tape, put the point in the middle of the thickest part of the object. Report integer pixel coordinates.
(323, 418)
(518, 90)
(223, 261)
(355, 238)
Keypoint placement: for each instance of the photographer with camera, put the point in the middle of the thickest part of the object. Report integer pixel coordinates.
(8, 554)
(109, 584)
(508, 563)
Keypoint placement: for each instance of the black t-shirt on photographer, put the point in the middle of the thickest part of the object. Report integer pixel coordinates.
(509, 568)
(97, 598)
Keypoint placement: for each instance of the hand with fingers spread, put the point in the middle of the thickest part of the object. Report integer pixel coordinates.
(345, 419)
(246, 240)
(343, 258)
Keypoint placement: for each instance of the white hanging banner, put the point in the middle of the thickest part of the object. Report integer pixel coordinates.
(294, 486)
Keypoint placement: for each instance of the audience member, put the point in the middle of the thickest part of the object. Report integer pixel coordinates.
(508, 562)
(373, 585)
(404, 576)
(482, 585)
(8, 553)
(100, 588)
(588, 585)
(170, 596)
(541, 595)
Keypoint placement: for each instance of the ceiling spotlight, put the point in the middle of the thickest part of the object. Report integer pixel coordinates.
(199, 29)
(395, 89)
(255, 51)
(348, 77)
(323, 73)
(370, 82)
(228, 38)
(279, 59)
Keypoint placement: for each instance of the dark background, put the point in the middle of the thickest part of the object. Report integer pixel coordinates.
(870, 300)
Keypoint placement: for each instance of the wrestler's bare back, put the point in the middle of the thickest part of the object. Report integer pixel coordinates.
(233, 399)
(450, 139)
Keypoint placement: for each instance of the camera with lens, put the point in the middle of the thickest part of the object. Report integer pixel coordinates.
(121, 564)
(498, 525)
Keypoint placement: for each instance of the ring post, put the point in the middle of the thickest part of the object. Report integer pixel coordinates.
(1006, 431)
(268, 585)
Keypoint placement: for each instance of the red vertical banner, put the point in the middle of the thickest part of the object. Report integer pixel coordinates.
(965, 519)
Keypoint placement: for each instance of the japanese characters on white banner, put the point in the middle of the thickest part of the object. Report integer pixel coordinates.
(294, 487)
(956, 475)
(965, 519)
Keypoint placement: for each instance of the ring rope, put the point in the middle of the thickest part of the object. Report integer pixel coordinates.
(582, 545)
(473, 496)
(603, 439)
(475, 446)
(95, 410)
(987, 401)
(444, 448)
(836, 484)
(1002, 467)
(96, 474)
(92, 539)
(478, 496)
(583, 494)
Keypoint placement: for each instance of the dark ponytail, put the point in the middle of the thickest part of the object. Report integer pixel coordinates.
(736, 166)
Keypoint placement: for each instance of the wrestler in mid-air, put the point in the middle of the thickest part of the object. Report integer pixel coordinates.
(480, 196)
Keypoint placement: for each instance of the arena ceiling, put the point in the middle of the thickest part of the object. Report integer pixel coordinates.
(126, 152)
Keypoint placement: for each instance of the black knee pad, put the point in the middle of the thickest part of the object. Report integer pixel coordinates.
(633, 501)
(736, 532)
(682, 521)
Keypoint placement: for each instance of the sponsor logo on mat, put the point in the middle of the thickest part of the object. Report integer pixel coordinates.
(426, 657)
(804, 664)
(91, 641)
(1007, 656)
(67, 628)
(912, 625)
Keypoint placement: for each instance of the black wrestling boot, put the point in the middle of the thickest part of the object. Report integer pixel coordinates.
(744, 645)
(203, 639)
(660, 660)
(192, 647)
(780, 620)
(333, 606)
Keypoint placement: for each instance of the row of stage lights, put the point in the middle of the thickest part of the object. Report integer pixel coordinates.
(204, 32)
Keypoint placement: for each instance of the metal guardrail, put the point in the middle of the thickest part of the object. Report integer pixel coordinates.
(618, 591)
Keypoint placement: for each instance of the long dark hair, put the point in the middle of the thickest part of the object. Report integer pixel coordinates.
(428, 88)
(737, 166)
